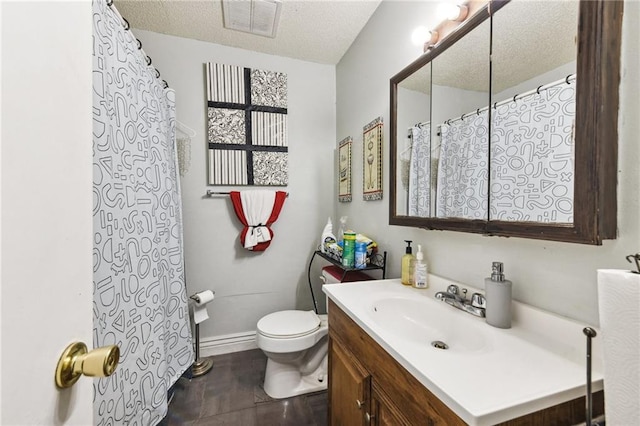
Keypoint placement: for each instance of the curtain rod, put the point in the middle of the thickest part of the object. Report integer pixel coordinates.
(127, 27)
(211, 193)
(567, 80)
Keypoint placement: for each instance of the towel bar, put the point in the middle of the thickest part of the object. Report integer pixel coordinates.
(212, 193)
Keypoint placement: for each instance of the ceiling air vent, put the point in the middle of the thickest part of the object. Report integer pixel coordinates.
(258, 17)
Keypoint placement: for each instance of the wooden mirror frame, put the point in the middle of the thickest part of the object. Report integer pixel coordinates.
(596, 133)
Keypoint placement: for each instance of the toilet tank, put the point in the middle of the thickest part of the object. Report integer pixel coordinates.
(333, 274)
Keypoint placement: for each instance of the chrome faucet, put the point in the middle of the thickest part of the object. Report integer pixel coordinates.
(476, 306)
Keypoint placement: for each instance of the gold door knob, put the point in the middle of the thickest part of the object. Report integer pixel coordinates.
(76, 361)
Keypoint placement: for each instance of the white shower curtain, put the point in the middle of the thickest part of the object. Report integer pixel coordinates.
(463, 168)
(140, 301)
(420, 171)
(532, 157)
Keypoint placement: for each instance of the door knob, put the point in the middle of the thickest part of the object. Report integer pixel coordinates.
(76, 361)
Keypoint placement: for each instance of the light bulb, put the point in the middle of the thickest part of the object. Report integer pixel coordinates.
(420, 36)
(452, 12)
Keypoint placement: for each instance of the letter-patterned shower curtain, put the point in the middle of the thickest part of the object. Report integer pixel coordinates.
(420, 171)
(140, 301)
(463, 168)
(532, 156)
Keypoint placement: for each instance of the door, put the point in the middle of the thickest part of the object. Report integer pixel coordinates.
(46, 207)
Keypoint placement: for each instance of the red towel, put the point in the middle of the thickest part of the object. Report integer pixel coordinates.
(257, 211)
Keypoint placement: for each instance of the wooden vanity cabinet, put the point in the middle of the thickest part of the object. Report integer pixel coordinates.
(367, 386)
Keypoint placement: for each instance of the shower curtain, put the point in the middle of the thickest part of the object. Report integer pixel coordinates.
(462, 187)
(420, 170)
(532, 157)
(140, 301)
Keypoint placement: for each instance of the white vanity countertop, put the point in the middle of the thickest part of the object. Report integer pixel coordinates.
(488, 375)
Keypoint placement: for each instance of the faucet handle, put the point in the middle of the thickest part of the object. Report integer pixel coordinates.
(478, 300)
(453, 289)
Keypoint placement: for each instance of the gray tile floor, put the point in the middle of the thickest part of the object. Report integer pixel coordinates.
(231, 394)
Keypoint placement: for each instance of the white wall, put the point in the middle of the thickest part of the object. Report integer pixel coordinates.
(560, 277)
(249, 285)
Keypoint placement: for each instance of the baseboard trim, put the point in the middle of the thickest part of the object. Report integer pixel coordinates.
(228, 343)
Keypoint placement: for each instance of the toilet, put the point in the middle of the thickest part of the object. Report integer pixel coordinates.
(296, 345)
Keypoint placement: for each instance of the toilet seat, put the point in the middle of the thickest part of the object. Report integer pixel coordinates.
(289, 324)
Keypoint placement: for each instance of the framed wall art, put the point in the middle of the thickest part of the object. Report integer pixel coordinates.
(372, 160)
(247, 126)
(344, 170)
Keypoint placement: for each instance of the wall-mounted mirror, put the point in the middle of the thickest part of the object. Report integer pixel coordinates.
(528, 149)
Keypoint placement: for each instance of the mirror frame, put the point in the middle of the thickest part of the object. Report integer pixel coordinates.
(596, 135)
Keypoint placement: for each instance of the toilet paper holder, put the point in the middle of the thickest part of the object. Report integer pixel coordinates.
(200, 366)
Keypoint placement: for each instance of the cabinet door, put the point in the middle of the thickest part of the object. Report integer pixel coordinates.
(349, 385)
(385, 413)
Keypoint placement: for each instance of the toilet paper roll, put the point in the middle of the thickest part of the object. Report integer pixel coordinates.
(200, 305)
(619, 299)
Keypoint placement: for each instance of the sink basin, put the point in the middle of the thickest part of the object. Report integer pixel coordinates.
(421, 321)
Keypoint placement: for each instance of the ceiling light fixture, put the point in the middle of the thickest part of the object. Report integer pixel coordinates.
(259, 17)
(451, 14)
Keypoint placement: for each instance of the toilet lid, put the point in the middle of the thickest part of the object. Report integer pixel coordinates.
(289, 324)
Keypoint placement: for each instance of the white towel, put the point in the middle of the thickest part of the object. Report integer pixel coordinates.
(257, 206)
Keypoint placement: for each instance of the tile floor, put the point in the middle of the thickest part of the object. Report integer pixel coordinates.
(231, 394)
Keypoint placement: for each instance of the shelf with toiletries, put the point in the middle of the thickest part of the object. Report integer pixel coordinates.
(376, 261)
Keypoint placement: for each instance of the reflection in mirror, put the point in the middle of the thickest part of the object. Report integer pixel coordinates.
(413, 185)
(460, 134)
(533, 115)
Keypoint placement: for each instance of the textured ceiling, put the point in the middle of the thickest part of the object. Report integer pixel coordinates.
(311, 30)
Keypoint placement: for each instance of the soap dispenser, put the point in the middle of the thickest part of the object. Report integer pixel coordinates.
(498, 297)
(420, 270)
(407, 264)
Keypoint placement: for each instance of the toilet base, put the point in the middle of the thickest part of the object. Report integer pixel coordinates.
(286, 380)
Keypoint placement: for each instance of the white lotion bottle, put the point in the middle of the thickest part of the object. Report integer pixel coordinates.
(498, 297)
(420, 270)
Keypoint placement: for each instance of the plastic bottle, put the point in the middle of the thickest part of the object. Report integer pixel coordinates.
(498, 297)
(349, 250)
(420, 270)
(342, 228)
(407, 263)
(327, 236)
(361, 255)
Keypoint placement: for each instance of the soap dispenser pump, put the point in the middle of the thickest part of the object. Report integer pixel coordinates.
(407, 265)
(498, 297)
